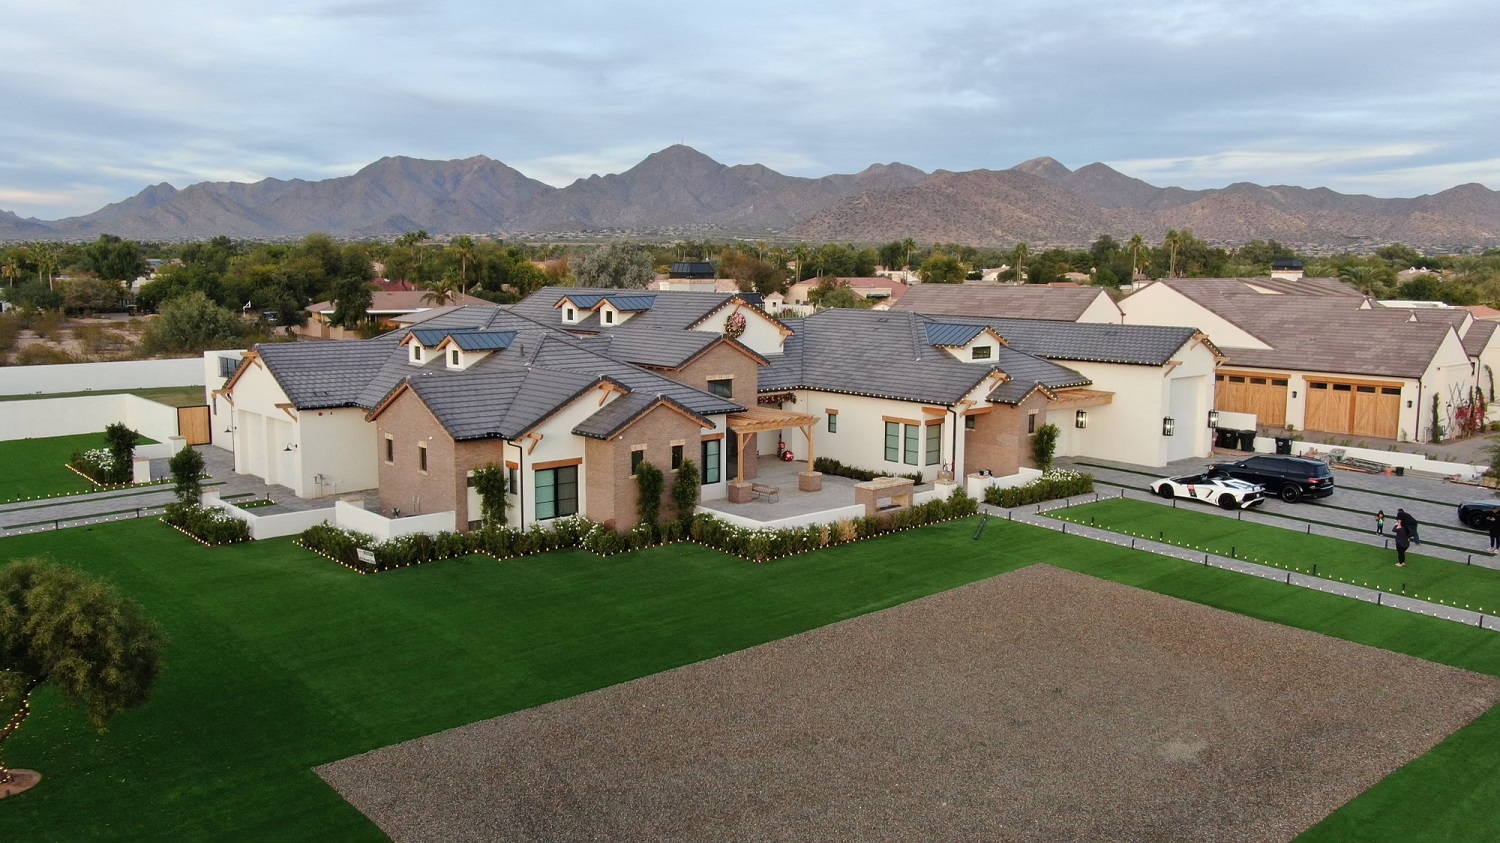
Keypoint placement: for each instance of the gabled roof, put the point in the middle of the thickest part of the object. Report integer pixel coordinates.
(1090, 342)
(887, 355)
(670, 310)
(1478, 336)
(951, 335)
(480, 340)
(1025, 301)
(619, 413)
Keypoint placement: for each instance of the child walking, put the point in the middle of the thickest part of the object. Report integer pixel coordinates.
(1380, 523)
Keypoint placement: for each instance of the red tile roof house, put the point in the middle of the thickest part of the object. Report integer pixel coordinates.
(385, 305)
(1314, 354)
(571, 388)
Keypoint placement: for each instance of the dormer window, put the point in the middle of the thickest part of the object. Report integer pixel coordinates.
(453, 358)
(981, 352)
(570, 315)
(416, 353)
(609, 317)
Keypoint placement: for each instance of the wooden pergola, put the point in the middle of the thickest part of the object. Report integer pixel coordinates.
(748, 423)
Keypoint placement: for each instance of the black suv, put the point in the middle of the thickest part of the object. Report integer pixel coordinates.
(1291, 478)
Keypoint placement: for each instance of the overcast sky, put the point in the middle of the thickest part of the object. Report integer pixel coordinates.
(99, 100)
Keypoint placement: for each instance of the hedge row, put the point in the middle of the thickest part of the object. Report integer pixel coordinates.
(838, 469)
(210, 525)
(755, 545)
(1054, 484)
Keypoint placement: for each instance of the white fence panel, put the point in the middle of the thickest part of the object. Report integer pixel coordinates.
(46, 417)
(977, 483)
(827, 516)
(349, 516)
(79, 377)
(271, 526)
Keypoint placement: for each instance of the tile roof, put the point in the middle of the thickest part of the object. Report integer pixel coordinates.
(619, 413)
(675, 310)
(951, 335)
(1025, 301)
(887, 354)
(1478, 336)
(1089, 342)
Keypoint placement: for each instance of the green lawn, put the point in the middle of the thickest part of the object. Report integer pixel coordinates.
(39, 467)
(172, 396)
(281, 661)
(1453, 583)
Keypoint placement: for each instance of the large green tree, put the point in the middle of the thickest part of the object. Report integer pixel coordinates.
(942, 268)
(623, 264)
(62, 628)
(192, 324)
(114, 259)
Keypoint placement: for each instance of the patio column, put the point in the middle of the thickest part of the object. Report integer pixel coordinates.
(810, 480)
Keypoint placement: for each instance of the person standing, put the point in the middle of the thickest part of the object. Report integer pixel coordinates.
(1380, 523)
(1403, 541)
(1492, 521)
(1410, 522)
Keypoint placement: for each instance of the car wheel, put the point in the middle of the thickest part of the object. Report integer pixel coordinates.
(1227, 501)
(1165, 490)
(1475, 519)
(1291, 493)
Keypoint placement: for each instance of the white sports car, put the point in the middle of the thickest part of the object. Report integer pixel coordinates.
(1212, 488)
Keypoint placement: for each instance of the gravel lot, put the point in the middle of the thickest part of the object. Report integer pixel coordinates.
(1040, 705)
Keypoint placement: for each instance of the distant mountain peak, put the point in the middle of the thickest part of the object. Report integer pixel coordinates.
(1047, 168)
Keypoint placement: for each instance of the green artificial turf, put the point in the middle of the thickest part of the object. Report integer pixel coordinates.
(281, 661)
(39, 467)
(1426, 577)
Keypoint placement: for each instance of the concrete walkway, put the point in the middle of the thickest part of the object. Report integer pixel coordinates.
(1346, 515)
(33, 516)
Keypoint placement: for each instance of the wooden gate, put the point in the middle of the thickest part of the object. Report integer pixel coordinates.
(1360, 409)
(1263, 395)
(192, 424)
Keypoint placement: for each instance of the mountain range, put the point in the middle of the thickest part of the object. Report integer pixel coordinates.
(681, 192)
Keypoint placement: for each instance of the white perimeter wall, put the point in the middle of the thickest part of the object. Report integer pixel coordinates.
(349, 516)
(81, 377)
(85, 414)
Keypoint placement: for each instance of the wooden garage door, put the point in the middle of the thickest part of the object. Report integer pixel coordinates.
(1264, 395)
(1360, 409)
(192, 425)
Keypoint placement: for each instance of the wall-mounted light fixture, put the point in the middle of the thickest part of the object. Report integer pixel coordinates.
(1294, 393)
(1168, 426)
(291, 446)
(1213, 418)
(1081, 419)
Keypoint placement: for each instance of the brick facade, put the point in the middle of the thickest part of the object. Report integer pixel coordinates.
(612, 491)
(444, 486)
(999, 441)
(725, 361)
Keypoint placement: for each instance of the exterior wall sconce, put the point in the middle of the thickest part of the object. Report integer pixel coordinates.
(1168, 426)
(1081, 419)
(290, 447)
(1213, 418)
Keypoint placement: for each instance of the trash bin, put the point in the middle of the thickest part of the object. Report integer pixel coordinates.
(1226, 438)
(1247, 440)
(1283, 444)
(1400, 471)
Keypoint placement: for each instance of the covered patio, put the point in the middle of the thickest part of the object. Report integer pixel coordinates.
(746, 426)
(833, 500)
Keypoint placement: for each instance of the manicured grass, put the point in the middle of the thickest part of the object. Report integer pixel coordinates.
(172, 396)
(281, 661)
(1437, 580)
(36, 467)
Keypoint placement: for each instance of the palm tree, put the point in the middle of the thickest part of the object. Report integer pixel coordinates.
(1136, 244)
(910, 246)
(1021, 254)
(442, 292)
(1172, 242)
(464, 245)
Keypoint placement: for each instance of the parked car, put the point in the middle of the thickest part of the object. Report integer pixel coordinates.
(1211, 488)
(1290, 478)
(1474, 513)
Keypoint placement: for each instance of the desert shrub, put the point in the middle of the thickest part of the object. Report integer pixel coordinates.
(208, 524)
(48, 324)
(10, 329)
(40, 354)
(1054, 484)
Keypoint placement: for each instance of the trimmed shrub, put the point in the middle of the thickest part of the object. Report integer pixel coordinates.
(838, 469)
(1054, 484)
(210, 525)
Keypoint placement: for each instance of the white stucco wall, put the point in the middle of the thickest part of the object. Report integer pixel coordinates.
(338, 451)
(558, 443)
(1102, 309)
(44, 417)
(860, 439)
(1130, 427)
(762, 334)
(1159, 304)
(82, 377)
(339, 444)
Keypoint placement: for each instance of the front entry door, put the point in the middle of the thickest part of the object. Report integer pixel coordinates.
(732, 462)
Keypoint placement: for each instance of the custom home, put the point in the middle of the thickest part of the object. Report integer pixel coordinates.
(1315, 354)
(572, 389)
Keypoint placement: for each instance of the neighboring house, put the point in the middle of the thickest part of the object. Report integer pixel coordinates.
(882, 290)
(903, 393)
(386, 305)
(1026, 301)
(1314, 354)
